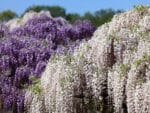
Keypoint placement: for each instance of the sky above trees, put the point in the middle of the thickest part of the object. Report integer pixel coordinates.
(71, 6)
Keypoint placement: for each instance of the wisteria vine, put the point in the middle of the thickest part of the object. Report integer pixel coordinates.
(25, 51)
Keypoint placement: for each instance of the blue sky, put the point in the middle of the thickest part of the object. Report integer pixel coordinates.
(78, 6)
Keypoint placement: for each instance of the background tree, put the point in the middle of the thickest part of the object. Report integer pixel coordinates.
(55, 11)
(72, 17)
(100, 17)
(7, 15)
(97, 18)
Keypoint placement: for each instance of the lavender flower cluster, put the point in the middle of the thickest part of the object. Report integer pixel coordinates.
(25, 51)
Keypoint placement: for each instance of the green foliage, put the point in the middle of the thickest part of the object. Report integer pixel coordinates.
(63, 82)
(140, 8)
(104, 16)
(72, 17)
(66, 80)
(100, 17)
(137, 63)
(145, 35)
(56, 11)
(123, 68)
(133, 28)
(36, 86)
(145, 59)
(68, 59)
(140, 81)
(34, 80)
(7, 15)
(132, 49)
(55, 58)
(36, 89)
(88, 16)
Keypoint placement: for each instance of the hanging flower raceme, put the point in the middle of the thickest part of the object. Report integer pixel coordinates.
(25, 51)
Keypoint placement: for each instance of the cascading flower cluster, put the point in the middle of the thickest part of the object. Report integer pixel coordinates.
(25, 51)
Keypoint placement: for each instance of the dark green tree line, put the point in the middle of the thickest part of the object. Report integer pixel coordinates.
(7, 15)
(97, 18)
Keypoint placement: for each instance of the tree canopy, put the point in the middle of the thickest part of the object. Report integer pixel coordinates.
(55, 11)
(101, 16)
(97, 18)
(7, 15)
